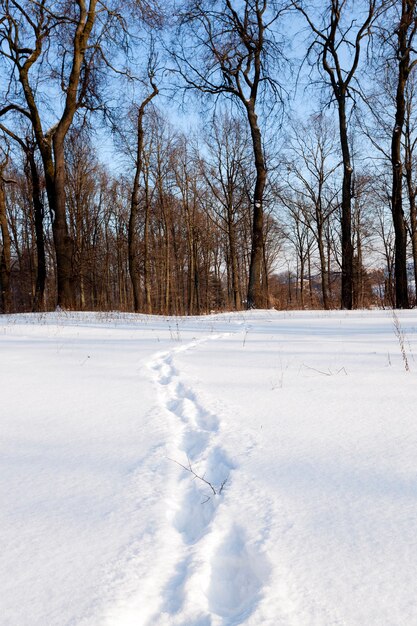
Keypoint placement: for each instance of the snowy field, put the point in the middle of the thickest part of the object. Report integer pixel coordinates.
(303, 424)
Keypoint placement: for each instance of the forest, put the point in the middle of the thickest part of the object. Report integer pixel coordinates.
(182, 157)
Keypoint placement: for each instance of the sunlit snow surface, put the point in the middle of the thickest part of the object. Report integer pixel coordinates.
(306, 423)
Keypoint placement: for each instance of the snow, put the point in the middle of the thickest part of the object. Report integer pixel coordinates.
(303, 424)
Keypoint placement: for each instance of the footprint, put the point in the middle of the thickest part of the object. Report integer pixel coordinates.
(175, 406)
(189, 410)
(195, 514)
(176, 399)
(194, 442)
(218, 466)
(194, 412)
(206, 421)
(165, 374)
(174, 591)
(183, 404)
(239, 572)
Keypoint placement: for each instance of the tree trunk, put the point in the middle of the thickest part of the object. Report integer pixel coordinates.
(256, 298)
(5, 257)
(167, 295)
(196, 277)
(323, 269)
(265, 277)
(134, 215)
(346, 219)
(300, 278)
(413, 229)
(64, 246)
(55, 166)
(329, 263)
(310, 282)
(411, 199)
(234, 268)
(134, 204)
(322, 255)
(190, 279)
(413, 221)
(165, 210)
(401, 285)
(146, 259)
(39, 297)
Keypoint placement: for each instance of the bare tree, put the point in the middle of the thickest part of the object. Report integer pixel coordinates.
(300, 237)
(224, 172)
(311, 167)
(28, 32)
(402, 40)
(410, 142)
(5, 255)
(225, 50)
(338, 42)
(135, 204)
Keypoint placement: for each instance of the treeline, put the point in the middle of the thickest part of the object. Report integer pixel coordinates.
(265, 200)
(193, 229)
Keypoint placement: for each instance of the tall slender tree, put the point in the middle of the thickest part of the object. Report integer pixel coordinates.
(227, 145)
(224, 50)
(337, 42)
(29, 32)
(5, 251)
(410, 145)
(135, 205)
(402, 40)
(311, 166)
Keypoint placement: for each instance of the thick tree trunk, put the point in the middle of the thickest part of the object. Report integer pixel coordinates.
(413, 222)
(346, 218)
(401, 284)
(62, 241)
(38, 301)
(256, 298)
(55, 166)
(358, 292)
(334, 40)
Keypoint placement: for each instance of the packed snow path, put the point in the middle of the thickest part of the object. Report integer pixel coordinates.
(219, 571)
(304, 424)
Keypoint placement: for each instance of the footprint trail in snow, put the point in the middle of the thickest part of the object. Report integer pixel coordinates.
(219, 574)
